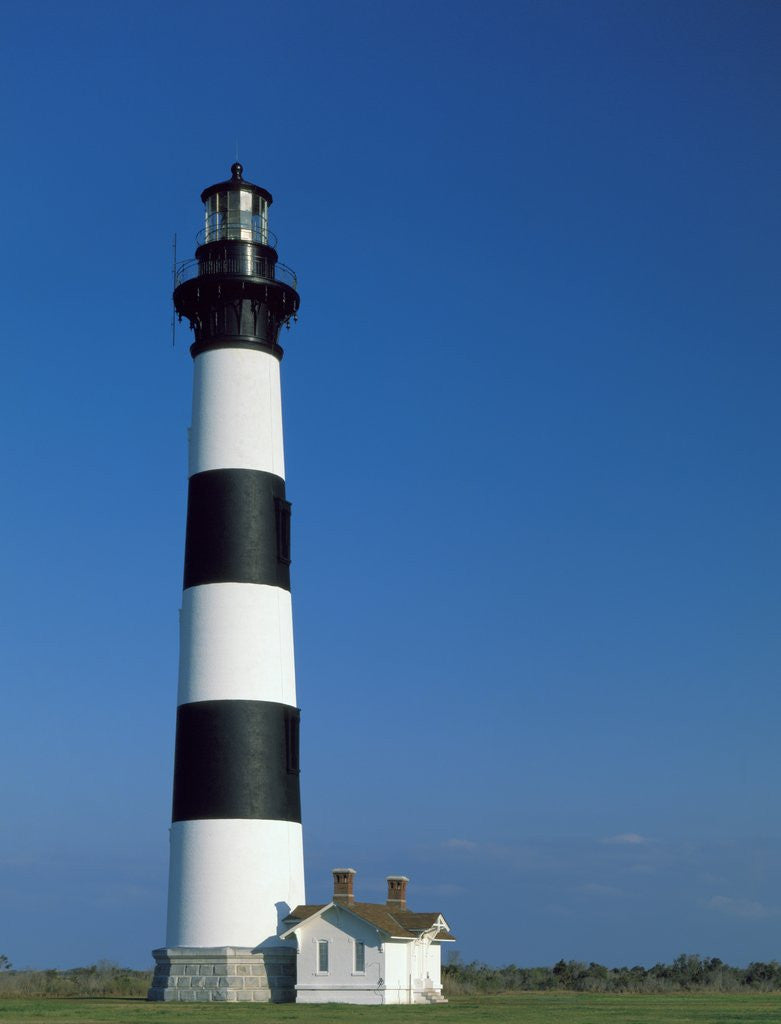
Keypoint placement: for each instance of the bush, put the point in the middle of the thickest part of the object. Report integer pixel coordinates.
(101, 979)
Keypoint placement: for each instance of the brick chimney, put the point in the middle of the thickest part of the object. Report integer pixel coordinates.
(343, 885)
(397, 892)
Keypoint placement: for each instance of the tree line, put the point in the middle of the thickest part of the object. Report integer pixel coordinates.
(687, 971)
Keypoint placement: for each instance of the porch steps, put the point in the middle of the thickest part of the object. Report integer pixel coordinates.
(434, 997)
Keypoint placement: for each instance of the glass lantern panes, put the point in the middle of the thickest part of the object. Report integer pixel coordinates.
(236, 215)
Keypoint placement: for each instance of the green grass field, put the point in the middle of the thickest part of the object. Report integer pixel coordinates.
(523, 1008)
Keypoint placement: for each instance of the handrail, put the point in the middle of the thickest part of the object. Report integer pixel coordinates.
(248, 266)
(233, 233)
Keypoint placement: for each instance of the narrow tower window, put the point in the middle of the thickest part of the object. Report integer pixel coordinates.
(292, 720)
(283, 529)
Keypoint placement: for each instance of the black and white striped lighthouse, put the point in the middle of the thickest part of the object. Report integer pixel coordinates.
(236, 865)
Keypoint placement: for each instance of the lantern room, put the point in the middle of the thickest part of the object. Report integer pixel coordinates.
(236, 210)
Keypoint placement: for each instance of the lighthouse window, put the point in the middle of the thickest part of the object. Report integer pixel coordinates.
(283, 530)
(292, 723)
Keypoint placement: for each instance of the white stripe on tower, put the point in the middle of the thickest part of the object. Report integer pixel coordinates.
(236, 644)
(237, 412)
(222, 874)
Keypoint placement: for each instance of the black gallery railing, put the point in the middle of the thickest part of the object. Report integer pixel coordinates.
(244, 266)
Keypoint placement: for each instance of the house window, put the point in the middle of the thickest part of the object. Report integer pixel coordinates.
(360, 958)
(282, 509)
(322, 956)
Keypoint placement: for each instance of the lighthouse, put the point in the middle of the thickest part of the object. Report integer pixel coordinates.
(236, 852)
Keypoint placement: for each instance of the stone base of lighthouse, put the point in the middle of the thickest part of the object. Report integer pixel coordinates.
(224, 974)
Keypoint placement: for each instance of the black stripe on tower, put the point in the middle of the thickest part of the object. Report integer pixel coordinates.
(238, 529)
(251, 765)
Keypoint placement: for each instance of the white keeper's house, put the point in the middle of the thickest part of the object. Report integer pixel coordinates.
(351, 952)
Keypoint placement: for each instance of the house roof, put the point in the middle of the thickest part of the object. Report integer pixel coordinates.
(398, 924)
(419, 921)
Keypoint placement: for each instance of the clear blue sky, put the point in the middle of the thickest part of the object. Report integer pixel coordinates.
(531, 413)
